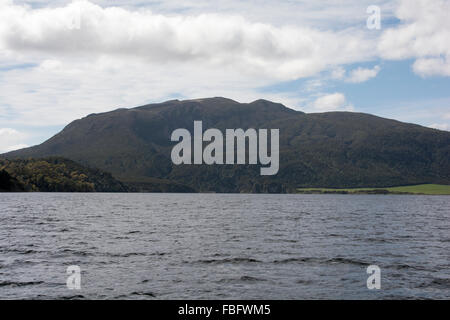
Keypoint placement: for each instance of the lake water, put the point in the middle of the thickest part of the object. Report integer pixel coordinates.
(223, 246)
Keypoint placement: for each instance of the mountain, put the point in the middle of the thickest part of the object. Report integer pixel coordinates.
(55, 174)
(332, 149)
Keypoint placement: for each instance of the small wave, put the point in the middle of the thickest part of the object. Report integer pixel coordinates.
(19, 284)
(321, 260)
(377, 240)
(74, 297)
(305, 282)
(74, 252)
(289, 240)
(125, 255)
(148, 294)
(251, 279)
(158, 254)
(407, 266)
(293, 260)
(348, 261)
(228, 260)
(441, 283)
(241, 279)
(20, 251)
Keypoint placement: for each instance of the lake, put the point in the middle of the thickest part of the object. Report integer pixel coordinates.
(223, 246)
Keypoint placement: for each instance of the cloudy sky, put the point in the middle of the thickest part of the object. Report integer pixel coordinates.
(62, 60)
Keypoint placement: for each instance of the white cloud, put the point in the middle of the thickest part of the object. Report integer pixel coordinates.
(11, 139)
(361, 74)
(152, 51)
(55, 94)
(337, 73)
(122, 57)
(432, 66)
(324, 14)
(313, 85)
(441, 126)
(217, 40)
(424, 34)
(332, 102)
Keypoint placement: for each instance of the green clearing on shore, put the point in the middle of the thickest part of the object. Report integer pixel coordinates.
(429, 189)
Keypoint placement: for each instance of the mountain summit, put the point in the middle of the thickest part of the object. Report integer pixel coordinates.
(332, 149)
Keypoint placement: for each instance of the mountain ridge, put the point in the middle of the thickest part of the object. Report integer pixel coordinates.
(332, 149)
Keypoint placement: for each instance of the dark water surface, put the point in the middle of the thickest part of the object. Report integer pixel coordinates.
(199, 246)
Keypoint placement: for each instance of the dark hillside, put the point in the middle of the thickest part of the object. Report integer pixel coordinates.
(334, 149)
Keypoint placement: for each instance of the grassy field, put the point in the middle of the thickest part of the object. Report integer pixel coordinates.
(431, 189)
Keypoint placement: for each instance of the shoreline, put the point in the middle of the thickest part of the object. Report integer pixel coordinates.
(421, 189)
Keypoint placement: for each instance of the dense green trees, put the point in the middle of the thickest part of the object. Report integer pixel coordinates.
(8, 183)
(54, 175)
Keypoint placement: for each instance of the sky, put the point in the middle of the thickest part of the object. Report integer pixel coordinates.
(62, 60)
